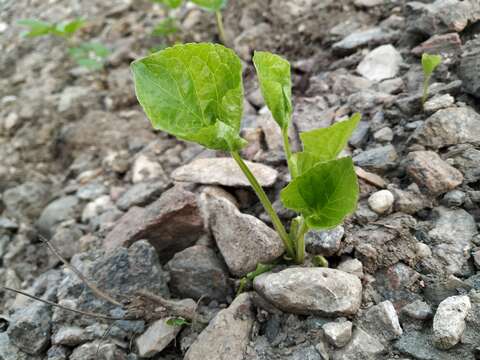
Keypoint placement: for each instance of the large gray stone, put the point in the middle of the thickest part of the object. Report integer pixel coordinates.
(243, 240)
(381, 320)
(449, 321)
(223, 171)
(320, 291)
(156, 338)
(227, 335)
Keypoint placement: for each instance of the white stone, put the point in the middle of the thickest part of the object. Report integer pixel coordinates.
(381, 63)
(156, 338)
(97, 207)
(338, 333)
(145, 169)
(449, 321)
(381, 201)
(352, 266)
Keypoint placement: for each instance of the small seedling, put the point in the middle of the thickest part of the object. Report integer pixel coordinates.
(178, 321)
(195, 92)
(90, 55)
(429, 64)
(260, 269)
(208, 5)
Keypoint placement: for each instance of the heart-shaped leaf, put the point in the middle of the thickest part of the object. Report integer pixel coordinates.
(430, 63)
(211, 5)
(276, 85)
(325, 194)
(195, 92)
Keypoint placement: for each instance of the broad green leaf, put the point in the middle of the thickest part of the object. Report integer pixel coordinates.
(325, 194)
(276, 85)
(326, 143)
(37, 27)
(166, 27)
(68, 28)
(430, 63)
(195, 92)
(172, 4)
(304, 161)
(211, 5)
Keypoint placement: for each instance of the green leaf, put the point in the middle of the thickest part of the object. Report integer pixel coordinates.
(177, 321)
(304, 161)
(166, 27)
(430, 63)
(325, 194)
(276, 85)
(210, 5)
(259, 270)
(195, 92)
(68, 28)
(172, 4)
(326, 143)
(36, 27)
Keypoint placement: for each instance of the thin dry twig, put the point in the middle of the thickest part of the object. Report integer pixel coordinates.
(92, 287)
(51, 303)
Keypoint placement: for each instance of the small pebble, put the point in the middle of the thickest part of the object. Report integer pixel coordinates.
(381, 201)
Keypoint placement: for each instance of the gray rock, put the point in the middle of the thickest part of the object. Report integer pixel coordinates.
(227, 335)
(243, 240)
(428, 170)
(171, 223)
(466, 159)
(399, 283)
(377, 159)
(30, 327)
(451, 238)
(382, 321)
(438, 102)
(418, 310)
(368, 3)
(353, 41)
(26, 200)
(449, 126)
(311, 113)
(8, 351)
(141, 194)
(391, 86)
(69, 336)
(62, 209)
(325, 242)
(351, 266)
(156, 338)
(410, 200)
(468, 69)
(360, 135)
(361, 347)
(58, 353)
(454, 198)
(441, 16)
(145, 169)
(338, 333)
(384, 135)
(305, 353)
(66, 242)
(223, 171)
(197, 272)
(449, 321)
(320, 291)
(381, 63)
(98, 350)
(91, 191)
(448, 45)
(381, 201)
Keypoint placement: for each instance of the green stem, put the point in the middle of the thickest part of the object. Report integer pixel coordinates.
(300, 242)
(277, 224)
(221, 29)
(426, 82)
(288, 153)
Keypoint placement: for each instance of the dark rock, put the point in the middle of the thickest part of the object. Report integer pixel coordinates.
(8, 351)
(170, 224)
(469, 65)
(399, 284)
(377, 159)
(197, 272)
(445, 44)
(324, 243)
(454, 198)
(369, 37)
(418, 310)
(467, 159)
(381, 320)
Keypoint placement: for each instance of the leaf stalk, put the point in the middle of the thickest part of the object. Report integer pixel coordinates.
(220, 27)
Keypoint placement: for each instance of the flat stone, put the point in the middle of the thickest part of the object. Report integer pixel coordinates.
(156, 338)
(382, 321)
(468, 69)
(141, 194)
(321, 291)
(171, 223)
(418, 309)
(69, 336)
(381, 201)
(243, 240)
(223, 171)
(227, 335)
(381, 63)
(352, 266)
(338, 333)
(428, 170)
(324, 243)
(445, 44)
(62, 209)
(144, 169)
(384, 135)
(353, 41)
(197, 272)
(449, 126)
(378, 159)
(362, 346)
(449, 321)
(438, 102)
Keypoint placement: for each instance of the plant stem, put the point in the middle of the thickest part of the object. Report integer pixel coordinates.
(221, 29)
(300, 242)
(288, 153)
(277, 224)
(426, 82)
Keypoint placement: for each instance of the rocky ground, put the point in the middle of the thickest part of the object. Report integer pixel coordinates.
(135, 210)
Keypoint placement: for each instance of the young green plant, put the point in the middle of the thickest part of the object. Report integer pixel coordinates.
(90, 55)
(195, 92)
(429, 64)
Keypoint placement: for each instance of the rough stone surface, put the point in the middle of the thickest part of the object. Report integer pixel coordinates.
(64, 208)
(227, 335)
(243, 240)
(381, 201)
(377, 159)
(27, 199)
(362, 346)
(351, 266)
(428, 170)
(8, 351)
(156, 338)
(351, 42)
(450, 126)
(223, 171)
(380, 64)
(311, 291)
(141, 194)
(197, 272)
(468, 69)
(438, 102)
(338, 333)
(449, 321)
(382, 321)
(170, 224)
(324, 243)
(418, 309)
